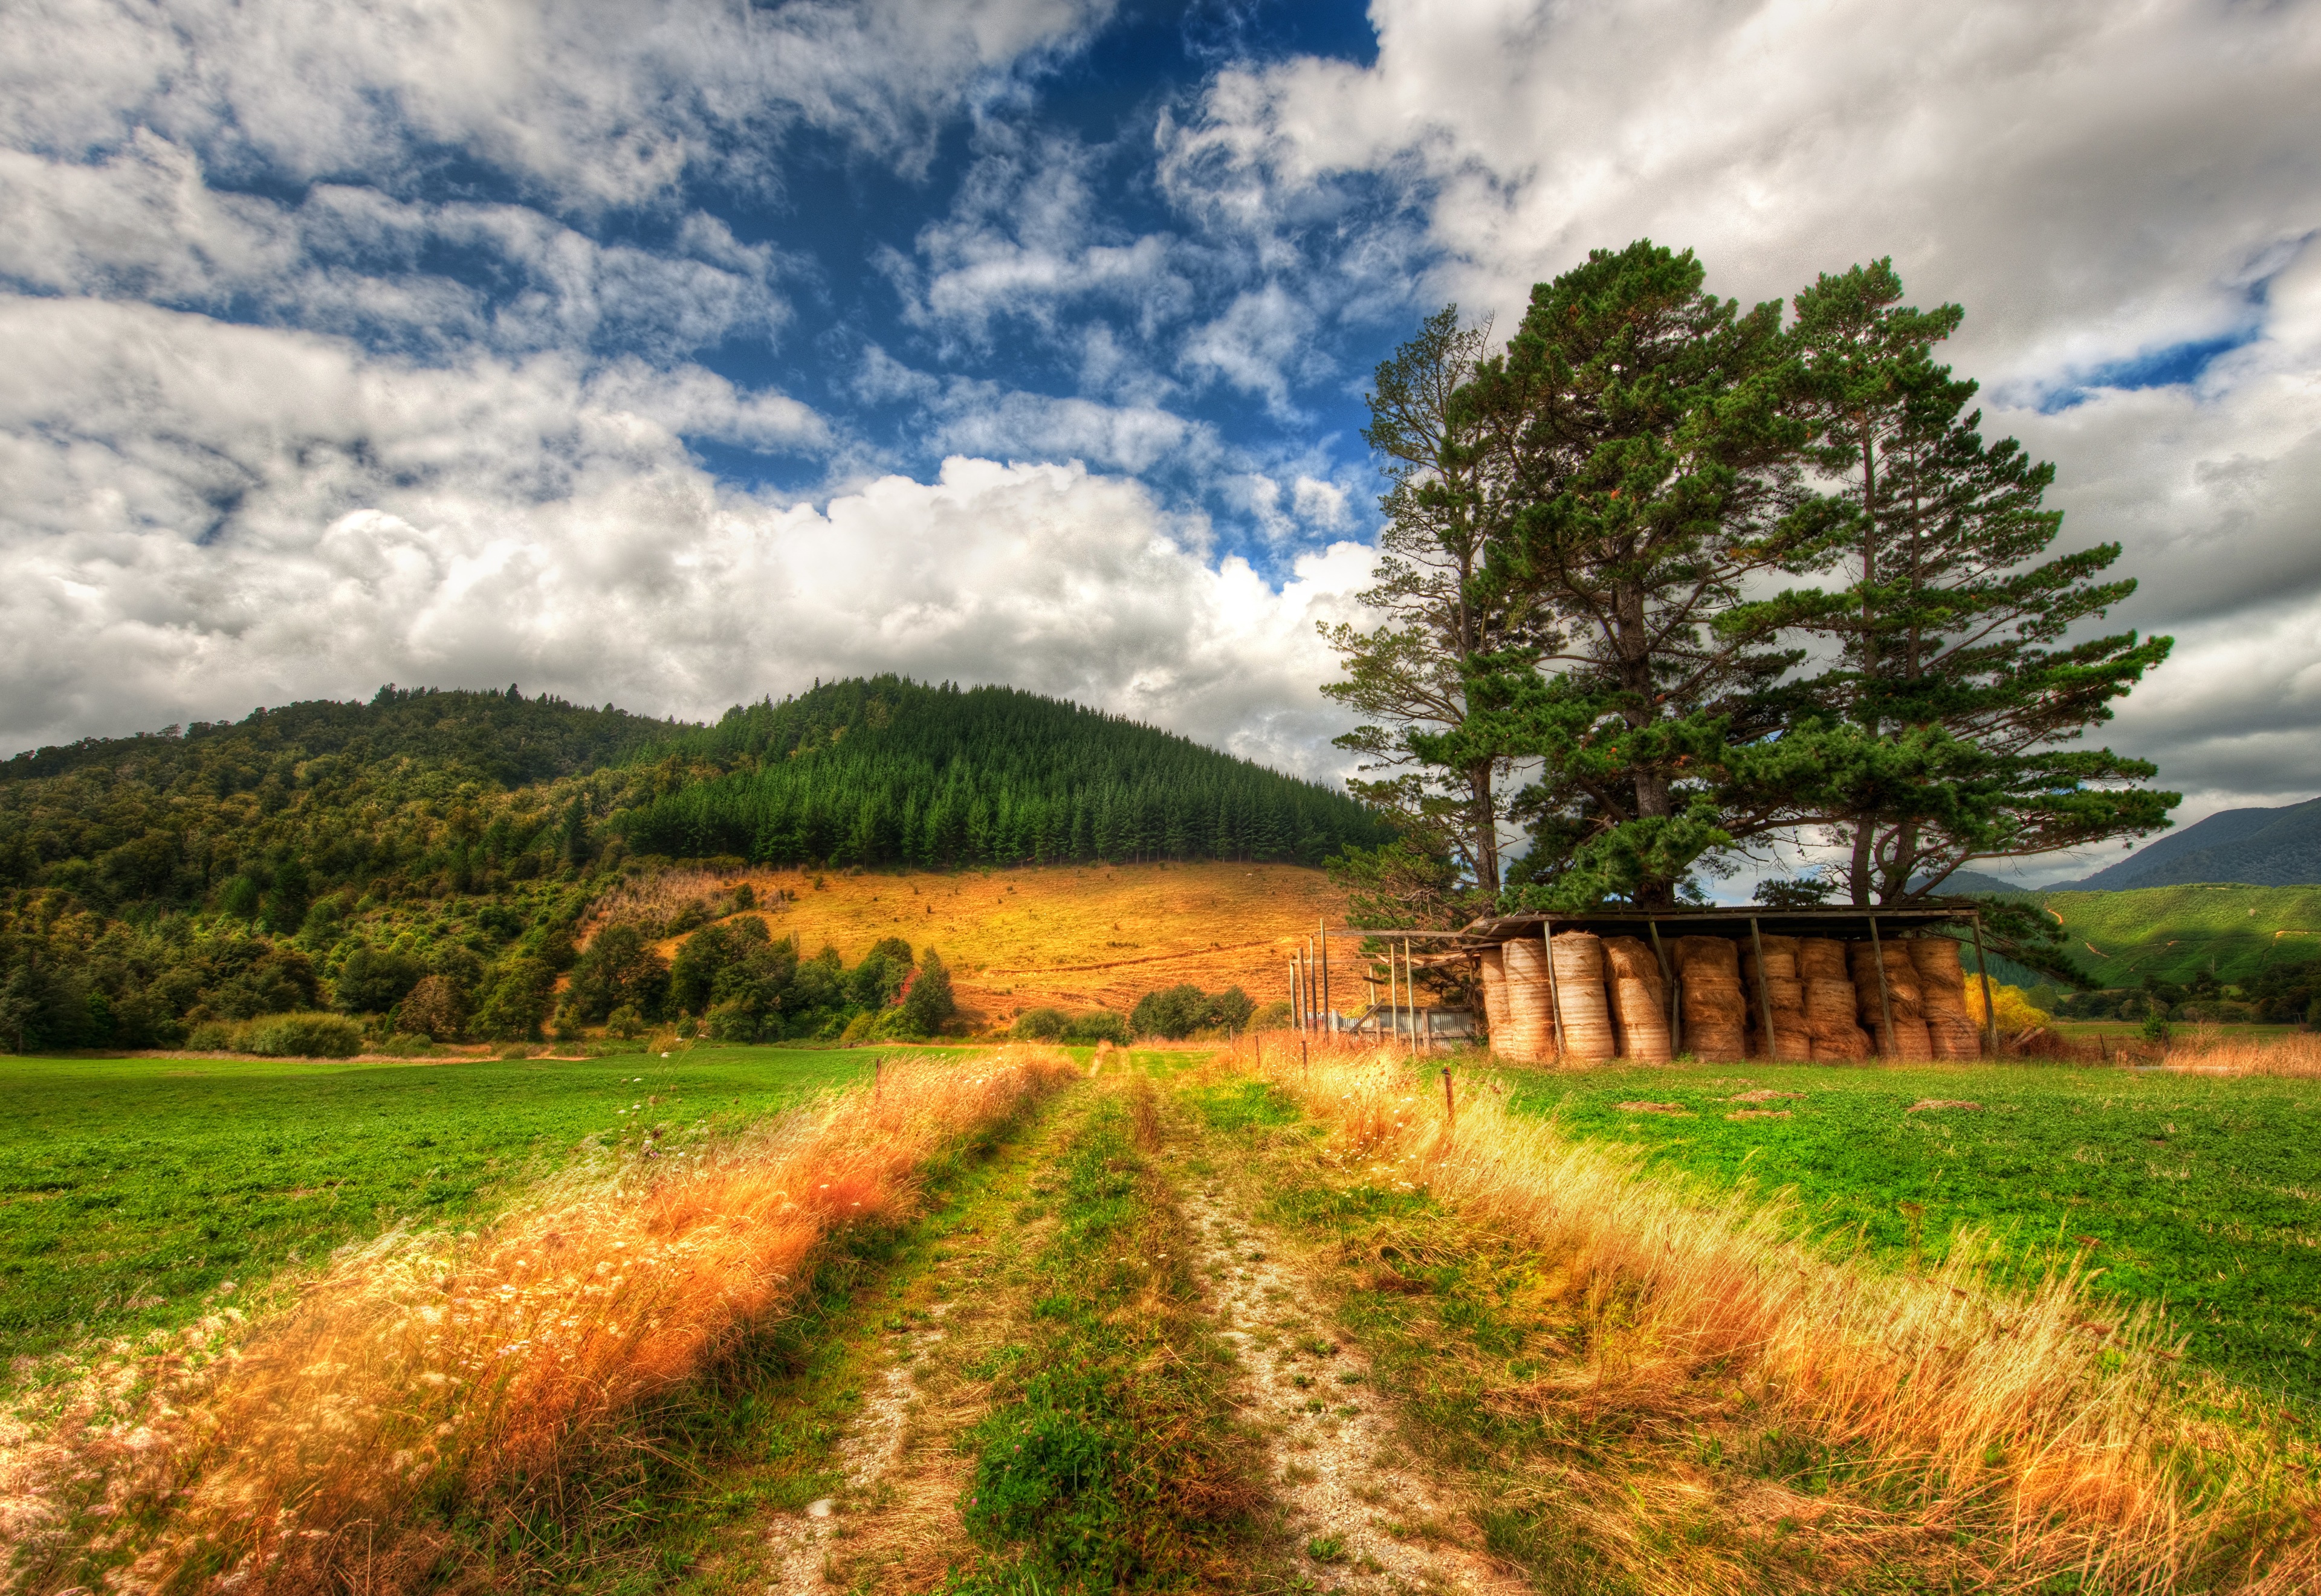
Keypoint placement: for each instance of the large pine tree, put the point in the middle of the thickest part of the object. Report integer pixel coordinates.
(1640, 430)
(1960, 676)
(1403, 677)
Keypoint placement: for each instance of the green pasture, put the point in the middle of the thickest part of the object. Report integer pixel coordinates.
(2200, 1193)
(131, 1187)
(2174, 932)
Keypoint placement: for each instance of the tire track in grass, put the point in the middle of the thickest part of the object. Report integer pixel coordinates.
(893, 1517)
(1353, 1505)
(1110, 1455)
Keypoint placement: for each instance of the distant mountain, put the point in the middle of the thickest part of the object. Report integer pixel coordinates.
(2254, 847)
(1975, 884)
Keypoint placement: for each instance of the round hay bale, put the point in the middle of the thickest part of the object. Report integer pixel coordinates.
(1792, 1044)
(1835, 1040)
(1524, 962)
(1942, 980)
(1829, 1001)
(1907, 1042)
(1901, 983)
(1781, 961)
(1821, 958)
(1787, 996)
(1714, 998)
(1715, 1043)
(1631, 958)
(1493, 967)
(1640, 1020)
(1954, 1035)
(1719, 953)
(1581, 1002)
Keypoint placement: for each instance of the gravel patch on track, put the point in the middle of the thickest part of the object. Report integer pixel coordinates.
(1358, 1514)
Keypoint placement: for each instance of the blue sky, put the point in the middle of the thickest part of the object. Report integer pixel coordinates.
(672, 352)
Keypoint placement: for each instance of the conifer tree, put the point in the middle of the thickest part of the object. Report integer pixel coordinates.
(1640, 431)
(1939, 731)
(1405, 677)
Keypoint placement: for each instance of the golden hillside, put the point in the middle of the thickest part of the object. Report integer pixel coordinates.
(1076, 936)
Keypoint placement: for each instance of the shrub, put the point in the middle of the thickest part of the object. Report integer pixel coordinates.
(311, 1035)
(1102, 1026)
(1274, 1016)
(1175, 1012)
(733, 1021)
(434, 1009)
(927, 1003)
(626, 1023)
(1041, 1025)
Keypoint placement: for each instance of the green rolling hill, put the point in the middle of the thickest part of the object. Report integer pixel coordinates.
(2174, 932)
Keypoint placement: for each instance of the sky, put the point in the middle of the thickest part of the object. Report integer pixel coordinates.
(673, 353)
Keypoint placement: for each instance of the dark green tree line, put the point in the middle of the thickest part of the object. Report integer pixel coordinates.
(893, 772)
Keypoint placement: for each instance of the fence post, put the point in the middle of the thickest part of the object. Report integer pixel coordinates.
(1449, 1103)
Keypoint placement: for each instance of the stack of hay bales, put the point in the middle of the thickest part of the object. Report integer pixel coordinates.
(1494, 970)
(1580, 1003)
(1639, 1000)
(1830, 1002)
(1908, 1040)
(1792, 1039)
(1950, 1031)
(1524, 963)
(1715, 1011)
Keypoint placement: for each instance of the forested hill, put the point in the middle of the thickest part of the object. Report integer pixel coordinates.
(336, 855)
(888, 771)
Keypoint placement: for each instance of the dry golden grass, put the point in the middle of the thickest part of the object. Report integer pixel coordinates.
(2212, 1050)
(481, 1373)
(1073, 937)
(2041, 1420)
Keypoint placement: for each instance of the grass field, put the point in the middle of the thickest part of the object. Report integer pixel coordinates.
(1075, 937)
(131, 1187)
(2200, 1191)
(2174, 932)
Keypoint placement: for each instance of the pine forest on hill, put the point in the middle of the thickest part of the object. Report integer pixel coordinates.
(889, 772)
(448, 844)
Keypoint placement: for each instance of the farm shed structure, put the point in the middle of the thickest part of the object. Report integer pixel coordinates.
(1786, 986)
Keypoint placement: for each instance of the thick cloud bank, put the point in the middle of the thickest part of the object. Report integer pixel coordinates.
(680, 351)
(212, 517)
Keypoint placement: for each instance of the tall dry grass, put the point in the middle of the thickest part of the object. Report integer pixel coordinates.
(2042, 1419)
(427, 1377)
(2212, 1050)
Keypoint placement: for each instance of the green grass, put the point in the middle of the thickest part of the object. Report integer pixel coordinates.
(2174, 932)
(1107, 1459)
(2201, 1192)
(128, 1188)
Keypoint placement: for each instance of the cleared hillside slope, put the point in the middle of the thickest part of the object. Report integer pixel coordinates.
(1073, 937)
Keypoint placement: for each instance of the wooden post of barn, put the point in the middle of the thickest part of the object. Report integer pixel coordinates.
(1667, 976)
(1885, 1003)
(1989, 1009)
(1764, 993)
(1554, 994)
